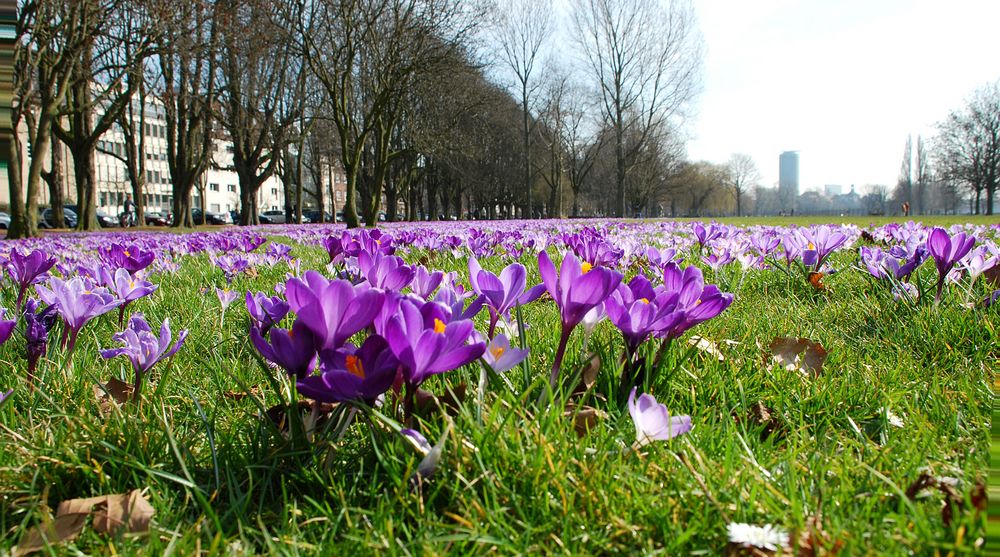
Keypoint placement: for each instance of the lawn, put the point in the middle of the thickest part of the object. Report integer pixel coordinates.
(880, 448)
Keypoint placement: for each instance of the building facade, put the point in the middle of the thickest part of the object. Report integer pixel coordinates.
(221, 184)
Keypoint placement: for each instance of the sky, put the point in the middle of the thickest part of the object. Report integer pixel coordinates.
(843, 82)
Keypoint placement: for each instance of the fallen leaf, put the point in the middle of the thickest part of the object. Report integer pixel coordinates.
(585, 418)
(763, 415)
(427, 403)
(111, 513)
(707, 346)
(51, 532)
(129, 510)
(798, 354)
(240, 395)
(816, 280)
(118, 390)
(278, 415)
(588, 374)
(813, 540)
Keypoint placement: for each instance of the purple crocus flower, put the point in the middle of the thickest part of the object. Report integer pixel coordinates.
(5, 395)
(501, 293)
(132, 258)
(637, 309)
(128, 288)
(653, 421)
(332, 310)
(350, 374)
(231, 265)
(425, 345)
(292, 349)
(947, 250)
(37, 325)
(501, 356)
(6, 326)
(144, 348)
(226, 297)
(820, 243)
(576, 290)
(265, 311)
(26, 270)
(703, 235)
(698, 302)
(425, 282)
(78, 301)
(388, 272)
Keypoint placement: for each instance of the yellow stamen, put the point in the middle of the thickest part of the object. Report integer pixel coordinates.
(811, 246)
(127, 254)
(586, 266)
(644, 300)
(131, 284)
(438, 326)
(497, 352)
(354, 366)
(698, 302)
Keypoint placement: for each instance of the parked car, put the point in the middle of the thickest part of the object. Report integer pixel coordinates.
(46, 218)
(104, 219)
(4, 221)
(272, 217)
(156, 218)
(210, 218)
(314, 214)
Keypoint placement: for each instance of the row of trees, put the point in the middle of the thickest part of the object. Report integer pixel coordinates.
(963, 158)
(447, 106)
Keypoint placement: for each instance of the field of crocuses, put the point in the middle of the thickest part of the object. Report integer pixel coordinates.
(518, 388)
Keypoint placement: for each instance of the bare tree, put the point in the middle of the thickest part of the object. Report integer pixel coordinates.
(117, 44)
(743, 176)
(260, 92)
(521, 29)
(644, 58)
(186, 51)
(50, 42)
(364, 54)
(968, 145)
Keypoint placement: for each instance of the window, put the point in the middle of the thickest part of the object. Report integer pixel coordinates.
(214, 207)
(229, 207)
(274, 192)
(213, 187)
(230, 187)
(149, 176)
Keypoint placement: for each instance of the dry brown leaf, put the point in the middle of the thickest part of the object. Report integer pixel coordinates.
(118, 390)
(588, 374)
(130, 510)
(762, 414)
(816, 280)
(814, 540)
(427, 403)
(51, 532)
(707, 346)
(585, 418)
(240, 395)
(110, 512)
(798, 354)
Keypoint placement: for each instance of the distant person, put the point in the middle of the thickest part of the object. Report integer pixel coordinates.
(906, 208)
(130, 210)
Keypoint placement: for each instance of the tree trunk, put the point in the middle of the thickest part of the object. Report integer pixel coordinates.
(22, 225)
(86, 187)
(54, 179)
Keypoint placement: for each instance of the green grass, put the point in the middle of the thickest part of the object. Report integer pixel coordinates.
(520, 481)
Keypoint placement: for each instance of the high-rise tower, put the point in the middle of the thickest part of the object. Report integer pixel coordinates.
(788, 180)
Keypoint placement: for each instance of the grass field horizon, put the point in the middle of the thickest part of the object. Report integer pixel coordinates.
(881, 448)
